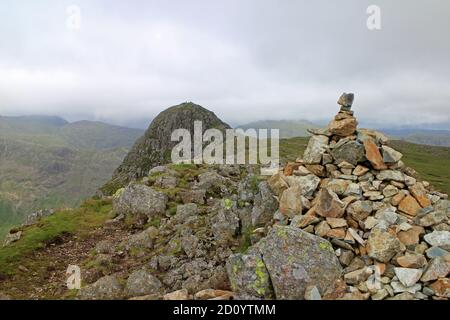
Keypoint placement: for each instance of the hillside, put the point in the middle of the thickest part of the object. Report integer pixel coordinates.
(345, 219)
(428, 137)
(288, 128)
(46, 162)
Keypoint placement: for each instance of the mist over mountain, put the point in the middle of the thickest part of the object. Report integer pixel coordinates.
(288, 128)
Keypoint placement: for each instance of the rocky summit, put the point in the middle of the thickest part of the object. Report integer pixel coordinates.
(154, 148)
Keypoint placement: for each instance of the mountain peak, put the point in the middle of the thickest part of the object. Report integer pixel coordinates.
(154, 148)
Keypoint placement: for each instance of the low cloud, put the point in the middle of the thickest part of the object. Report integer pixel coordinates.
(245, 61)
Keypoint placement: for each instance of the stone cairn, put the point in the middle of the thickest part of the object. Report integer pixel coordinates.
(389, 230)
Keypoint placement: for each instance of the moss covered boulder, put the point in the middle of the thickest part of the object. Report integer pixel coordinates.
(285, 263)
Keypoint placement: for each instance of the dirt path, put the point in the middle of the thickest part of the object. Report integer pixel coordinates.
(42, 274)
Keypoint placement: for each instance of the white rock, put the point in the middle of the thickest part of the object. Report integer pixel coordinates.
(407, 276)
(439, 239)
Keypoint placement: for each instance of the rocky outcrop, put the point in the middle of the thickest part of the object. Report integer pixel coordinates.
(155, 147)
(138, 199)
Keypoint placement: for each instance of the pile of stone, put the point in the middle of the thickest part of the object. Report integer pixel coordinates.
(389, 232)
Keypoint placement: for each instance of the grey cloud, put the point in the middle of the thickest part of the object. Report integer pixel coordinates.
(245, 60)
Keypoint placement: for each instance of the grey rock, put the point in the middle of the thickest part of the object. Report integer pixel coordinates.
(166, 182)
(360, 210)
(12, 237)
(210, 179)
(225, 225)
(185, 211)
(431, 219)
(351, 152)
(434, 252)
(141, 283)
(296, 259)
(382, 245)
(196, 196)
(346, 100)
(105, 247)
(390, 191)
(439, 239)
(106, 288)
(399, 287)
(141, 240)
(438, 267)
(189, 244)
(390, 155)
(316, 148)
(139, 199)
(248, 275)
(391, 175)
(34, 217)
(312, 293)
(307, 184)
(407, 276)
(264, 205)
(354, 190)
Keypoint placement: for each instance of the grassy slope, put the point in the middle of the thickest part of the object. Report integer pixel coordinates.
(80, 221)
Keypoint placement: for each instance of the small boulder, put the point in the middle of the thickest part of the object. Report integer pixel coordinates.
(137, 199)
(316, 148)
(439, 239)
(290, 202)
(373, 155)
(343, 128)
(106, 288)
(296, 259)
(141, 283)
(328, 204)
(390, 155)
(248, 275)
(382, 245)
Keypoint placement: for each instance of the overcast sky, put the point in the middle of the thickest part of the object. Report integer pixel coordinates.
(245, 60)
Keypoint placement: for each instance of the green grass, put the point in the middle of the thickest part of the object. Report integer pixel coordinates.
(88, 216)
(432, 163)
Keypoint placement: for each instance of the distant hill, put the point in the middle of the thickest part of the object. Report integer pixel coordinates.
(47, 162)
(428, 137)
(98, 135)
(288, 128)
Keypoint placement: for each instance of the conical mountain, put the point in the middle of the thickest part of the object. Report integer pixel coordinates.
(154, 148)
